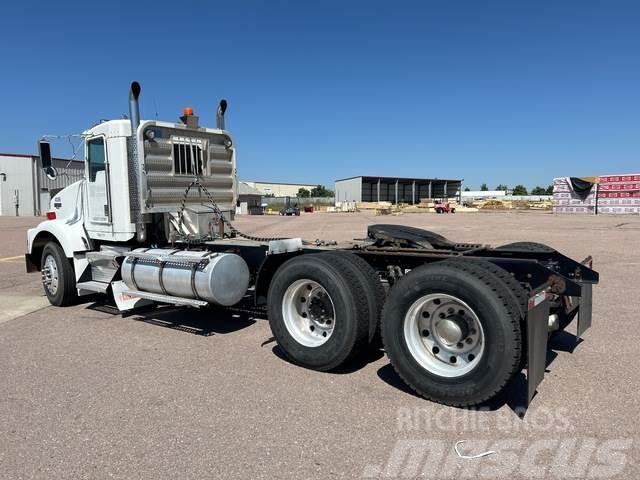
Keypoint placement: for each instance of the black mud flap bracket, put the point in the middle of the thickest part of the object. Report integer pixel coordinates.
(585, 305)
(537, 334)
(585, 302)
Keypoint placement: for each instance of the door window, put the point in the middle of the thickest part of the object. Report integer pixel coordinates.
(95, 157)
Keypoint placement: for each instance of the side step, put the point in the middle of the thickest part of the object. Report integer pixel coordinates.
(93, 286)
(158, 297)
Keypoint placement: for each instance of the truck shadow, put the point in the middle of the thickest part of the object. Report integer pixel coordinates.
(360, 361)
(204, 322)
(514, 395)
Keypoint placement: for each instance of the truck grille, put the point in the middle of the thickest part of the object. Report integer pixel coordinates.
(188, 156)
(171, 161)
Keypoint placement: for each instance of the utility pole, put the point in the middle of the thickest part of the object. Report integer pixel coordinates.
(16, 200)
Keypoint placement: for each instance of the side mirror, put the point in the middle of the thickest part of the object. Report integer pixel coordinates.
(51, 172)
(44, 148)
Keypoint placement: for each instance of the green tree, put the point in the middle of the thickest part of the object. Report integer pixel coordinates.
(484, 188)
(467, 189)
(539, 191)
(520, 190)
(304, 193)
(502, 188)
(549, 190)
(321, 191)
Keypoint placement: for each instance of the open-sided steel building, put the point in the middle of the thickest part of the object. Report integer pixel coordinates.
(395, 189)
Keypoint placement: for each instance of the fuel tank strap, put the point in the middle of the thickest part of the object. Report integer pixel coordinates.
(194, 269)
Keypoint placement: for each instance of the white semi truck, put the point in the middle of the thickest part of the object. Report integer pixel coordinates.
(151, 223)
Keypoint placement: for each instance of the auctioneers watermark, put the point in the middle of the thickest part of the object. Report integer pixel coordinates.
(538, 445)
(570, 457)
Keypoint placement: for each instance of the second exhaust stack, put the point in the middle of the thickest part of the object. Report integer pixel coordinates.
(134, 106)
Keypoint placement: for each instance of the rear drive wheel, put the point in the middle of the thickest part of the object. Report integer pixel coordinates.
(58, 278)
(452, 332)
(372, 288)
(318, 310)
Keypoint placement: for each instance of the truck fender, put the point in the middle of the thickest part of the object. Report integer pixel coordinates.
(72, 237)
(266, 272)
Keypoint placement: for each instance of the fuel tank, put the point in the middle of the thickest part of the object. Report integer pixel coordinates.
(219, 278)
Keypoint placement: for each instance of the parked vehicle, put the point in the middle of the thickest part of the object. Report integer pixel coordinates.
(151, 223)
(290, 209)
(443, 207)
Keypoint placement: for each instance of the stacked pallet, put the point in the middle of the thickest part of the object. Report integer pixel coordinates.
(567, 200)
(373, 205)
(619, 194)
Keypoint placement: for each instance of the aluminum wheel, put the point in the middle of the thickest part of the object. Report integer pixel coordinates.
(444, 335)
(50, 274)
(308, 313)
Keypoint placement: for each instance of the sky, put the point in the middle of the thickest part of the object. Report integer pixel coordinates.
(497, 92)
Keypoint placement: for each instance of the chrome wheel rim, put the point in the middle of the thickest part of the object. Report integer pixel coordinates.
(444, 335)
(50, 274)
(308, 312)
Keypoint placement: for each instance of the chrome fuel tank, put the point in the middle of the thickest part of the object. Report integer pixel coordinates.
(219, 278)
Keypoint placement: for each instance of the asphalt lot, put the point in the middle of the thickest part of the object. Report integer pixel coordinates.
(182, 394)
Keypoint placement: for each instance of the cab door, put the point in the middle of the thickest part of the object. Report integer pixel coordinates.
(98, 198)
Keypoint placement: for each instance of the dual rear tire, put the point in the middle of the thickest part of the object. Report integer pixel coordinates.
(452, 329)
(324, 308)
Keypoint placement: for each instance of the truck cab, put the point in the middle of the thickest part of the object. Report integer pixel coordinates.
(137, 188)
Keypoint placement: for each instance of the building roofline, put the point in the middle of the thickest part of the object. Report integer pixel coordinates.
(402, 178)
(282, 183)
(26, 155)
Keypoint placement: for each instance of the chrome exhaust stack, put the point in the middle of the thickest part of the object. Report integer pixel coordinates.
(220, 114)
(134, 164)
(134, 107)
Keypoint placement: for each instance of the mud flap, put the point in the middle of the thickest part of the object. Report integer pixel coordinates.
(585, 304)
(537, 334)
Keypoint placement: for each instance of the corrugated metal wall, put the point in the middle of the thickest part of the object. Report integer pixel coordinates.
(68, 173)
(23, 175)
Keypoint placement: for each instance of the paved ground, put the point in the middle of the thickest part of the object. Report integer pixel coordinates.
(185, 394)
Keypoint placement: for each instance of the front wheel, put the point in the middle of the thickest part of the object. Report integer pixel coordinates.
(452, 332)
(58, 277)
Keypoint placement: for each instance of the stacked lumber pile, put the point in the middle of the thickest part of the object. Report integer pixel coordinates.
(345, 207)
(541, 205)
(619, 194)
(493, 204)
(566, 200)
(373, 205)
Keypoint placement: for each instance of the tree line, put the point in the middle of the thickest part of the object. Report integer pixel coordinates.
(518, 189)
(319, 191)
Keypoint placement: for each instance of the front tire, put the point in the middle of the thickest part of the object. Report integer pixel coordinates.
(452, 332)
(318, 311)
(58, 277)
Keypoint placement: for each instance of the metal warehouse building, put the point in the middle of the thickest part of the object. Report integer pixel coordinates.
(279, 189)
(395, 189)
(24, 188)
